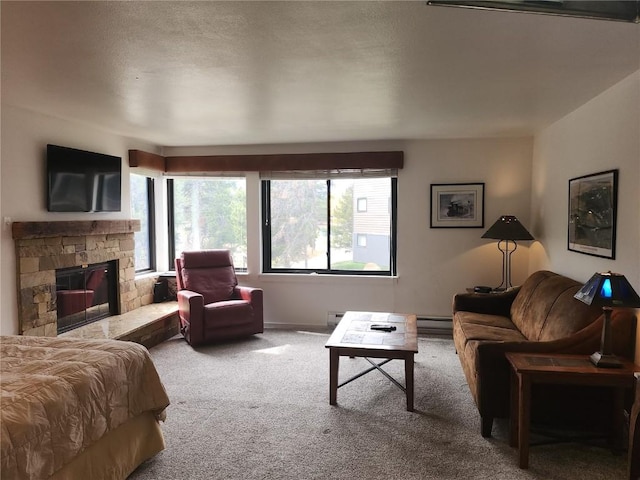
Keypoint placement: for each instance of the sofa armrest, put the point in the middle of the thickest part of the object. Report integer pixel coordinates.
(492, 304)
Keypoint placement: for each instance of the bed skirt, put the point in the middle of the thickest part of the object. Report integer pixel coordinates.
(116, 455)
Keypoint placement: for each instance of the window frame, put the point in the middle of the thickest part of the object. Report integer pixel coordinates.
(150, 182)
(171, 222)
(171, 226)
(265, 196)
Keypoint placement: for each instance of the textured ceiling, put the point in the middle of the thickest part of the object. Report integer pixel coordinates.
(224, 73)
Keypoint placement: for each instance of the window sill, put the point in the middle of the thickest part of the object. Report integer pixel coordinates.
(325, 278)
(143, 275)
(155, 273)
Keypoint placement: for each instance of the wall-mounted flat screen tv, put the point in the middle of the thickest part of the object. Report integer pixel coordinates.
(80, 181)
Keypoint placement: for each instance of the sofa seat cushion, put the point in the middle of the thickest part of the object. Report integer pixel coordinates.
(228, 313)
(477, 326)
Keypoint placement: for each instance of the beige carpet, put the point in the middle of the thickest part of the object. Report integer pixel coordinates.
(259, 409)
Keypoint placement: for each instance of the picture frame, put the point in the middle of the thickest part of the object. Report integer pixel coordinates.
(457, 205)
(593, 205)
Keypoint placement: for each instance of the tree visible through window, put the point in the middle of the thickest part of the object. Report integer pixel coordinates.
(142, 206)
(298, 219)
(210, 213)
(315, 225)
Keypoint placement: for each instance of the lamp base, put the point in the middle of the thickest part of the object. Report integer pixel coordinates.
(605, 361)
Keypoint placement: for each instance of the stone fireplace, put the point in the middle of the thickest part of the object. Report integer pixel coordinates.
(44, 247)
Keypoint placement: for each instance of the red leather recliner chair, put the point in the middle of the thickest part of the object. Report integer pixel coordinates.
(211, 305)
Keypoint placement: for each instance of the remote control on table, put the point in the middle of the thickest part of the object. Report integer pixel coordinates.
(383, 328)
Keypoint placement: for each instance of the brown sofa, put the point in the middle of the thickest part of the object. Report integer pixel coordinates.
(539, 316)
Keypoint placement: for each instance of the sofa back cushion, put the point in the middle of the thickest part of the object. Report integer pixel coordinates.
(545, 309)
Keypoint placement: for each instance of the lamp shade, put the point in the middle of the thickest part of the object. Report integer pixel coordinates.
(507, 227)
(608, 290)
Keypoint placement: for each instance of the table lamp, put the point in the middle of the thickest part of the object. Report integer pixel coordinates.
(507, 229)
(608, 290)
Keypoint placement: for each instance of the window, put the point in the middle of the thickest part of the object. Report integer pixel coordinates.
(208, 213)
(314, 225)
(142, 208)
(362, 204)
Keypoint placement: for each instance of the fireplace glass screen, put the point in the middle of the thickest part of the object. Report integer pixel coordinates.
(85, 294)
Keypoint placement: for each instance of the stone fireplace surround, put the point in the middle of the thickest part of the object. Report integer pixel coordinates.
(43, 247)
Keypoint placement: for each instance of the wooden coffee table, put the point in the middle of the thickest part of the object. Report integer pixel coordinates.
(357, 336)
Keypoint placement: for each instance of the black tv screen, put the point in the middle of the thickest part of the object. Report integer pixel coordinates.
(80, 181)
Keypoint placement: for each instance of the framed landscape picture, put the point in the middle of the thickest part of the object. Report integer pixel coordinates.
(593, 201)
(457, 205)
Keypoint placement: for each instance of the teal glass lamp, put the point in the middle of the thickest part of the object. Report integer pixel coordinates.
(608, 290)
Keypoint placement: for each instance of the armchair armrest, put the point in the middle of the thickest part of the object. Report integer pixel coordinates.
(254, 296)
(250, 294)
(191, 312)
(493, 303)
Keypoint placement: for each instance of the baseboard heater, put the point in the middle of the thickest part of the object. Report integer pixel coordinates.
(426, 323)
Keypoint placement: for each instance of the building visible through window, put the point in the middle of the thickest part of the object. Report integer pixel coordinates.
(339, 225)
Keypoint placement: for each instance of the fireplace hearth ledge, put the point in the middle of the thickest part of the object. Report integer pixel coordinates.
(148, 325)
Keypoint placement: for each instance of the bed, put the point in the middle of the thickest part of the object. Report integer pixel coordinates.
(76, 408)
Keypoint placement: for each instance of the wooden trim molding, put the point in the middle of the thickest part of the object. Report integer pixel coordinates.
(285, 162)
(151, 161)
(27, 230)
(267, 163)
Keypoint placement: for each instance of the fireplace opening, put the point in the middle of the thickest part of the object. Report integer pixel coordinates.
(86, 294)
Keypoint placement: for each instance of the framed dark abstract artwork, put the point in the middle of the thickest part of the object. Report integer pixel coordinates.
(593, 201)
(457, 205)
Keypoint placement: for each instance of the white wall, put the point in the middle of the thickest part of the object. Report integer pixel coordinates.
(523, 177)
(25, 135)
(603, 134)
(433, 264)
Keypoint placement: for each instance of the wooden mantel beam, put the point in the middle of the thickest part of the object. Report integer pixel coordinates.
(27, 230)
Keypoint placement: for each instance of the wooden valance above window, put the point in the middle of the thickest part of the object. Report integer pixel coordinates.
(150, 161)
(267, 163)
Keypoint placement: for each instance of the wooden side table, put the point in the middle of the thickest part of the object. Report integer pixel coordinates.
(530, 368)
(634, 435)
